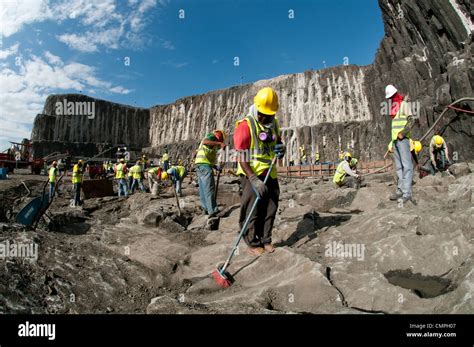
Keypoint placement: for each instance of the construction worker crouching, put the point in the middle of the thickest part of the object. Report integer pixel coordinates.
(402, 122)
(345, 175)
(439, 156)
(137, 174)
(206, 160)
(153, 174)
(257, 138)
(77, 175)
(120, 171)
(53, 172)
(177, 175)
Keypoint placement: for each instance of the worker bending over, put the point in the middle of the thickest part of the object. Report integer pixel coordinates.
(439, 155)
(177, 175)
(345, 176)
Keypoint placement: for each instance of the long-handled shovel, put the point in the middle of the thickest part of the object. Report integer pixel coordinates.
(176, 196)
(219, 274)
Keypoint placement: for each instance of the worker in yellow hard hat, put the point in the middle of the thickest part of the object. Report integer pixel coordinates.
(439, 155)
(257, 138)
(205, 161)
(77, 175)
(53, 172)
(120, 173)
(345, 176)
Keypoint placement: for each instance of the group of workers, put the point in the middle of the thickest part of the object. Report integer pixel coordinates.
(404, 149)
(257, 140)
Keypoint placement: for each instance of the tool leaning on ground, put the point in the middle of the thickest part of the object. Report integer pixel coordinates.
(219, 275)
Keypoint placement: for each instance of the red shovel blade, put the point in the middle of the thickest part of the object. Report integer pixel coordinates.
(221, 280)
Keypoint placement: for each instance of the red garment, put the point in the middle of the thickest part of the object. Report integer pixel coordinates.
(242, 138)
(396, 101)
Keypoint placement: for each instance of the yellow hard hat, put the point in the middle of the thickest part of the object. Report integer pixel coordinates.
(266, 101)
(164, 176)
(438, 140)
(418, 146)
(80, 161)
(347, 156)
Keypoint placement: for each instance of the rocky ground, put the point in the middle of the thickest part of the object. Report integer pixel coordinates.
(338, 251)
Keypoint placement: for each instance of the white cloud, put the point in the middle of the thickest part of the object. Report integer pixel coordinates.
(4, 54)
(23, 92)
(102, 23)
(15, 14)
(53, 59)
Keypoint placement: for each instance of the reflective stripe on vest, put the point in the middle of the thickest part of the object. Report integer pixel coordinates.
(52, 174)
(120, 173)
(399, 122)
(206, 155)
(340, 174)
(76, 174)
(261, 154)
(136, 171)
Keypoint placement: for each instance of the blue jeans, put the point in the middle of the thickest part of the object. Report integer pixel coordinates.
(137, 183)
(51, 190)
(122, 187)
(166, 165)
(77, 194)
(206, 188)
(404, 166)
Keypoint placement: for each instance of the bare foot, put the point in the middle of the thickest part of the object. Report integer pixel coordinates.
(269, 248)
(256, 251)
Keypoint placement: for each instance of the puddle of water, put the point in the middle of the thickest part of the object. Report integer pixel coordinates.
(423, 286)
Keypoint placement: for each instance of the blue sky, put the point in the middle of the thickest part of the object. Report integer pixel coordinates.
(140, 52)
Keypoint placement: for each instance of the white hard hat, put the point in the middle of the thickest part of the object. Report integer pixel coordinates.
(389, 91)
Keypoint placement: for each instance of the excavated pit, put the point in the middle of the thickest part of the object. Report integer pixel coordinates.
(425, 287)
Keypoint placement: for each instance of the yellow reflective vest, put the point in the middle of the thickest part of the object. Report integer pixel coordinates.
(260, 154)
(120, 171)
(206, 154)
(77, 174)
(399, 121)
(52, 174)
(136, 171)
(340, 174)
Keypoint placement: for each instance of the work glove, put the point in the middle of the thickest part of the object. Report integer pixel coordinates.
(279, 150)
(258, 186)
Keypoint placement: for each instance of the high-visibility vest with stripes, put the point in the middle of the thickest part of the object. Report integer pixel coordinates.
(136, 171)
(153, 170)
(340, 174)
(206, 154)
(76, 174)
(399, 122)
(52, 174)
(261, 154)
(120, 173)
(179, 169)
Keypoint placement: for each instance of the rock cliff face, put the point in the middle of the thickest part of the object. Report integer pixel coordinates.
(426, 54)
(90, 128)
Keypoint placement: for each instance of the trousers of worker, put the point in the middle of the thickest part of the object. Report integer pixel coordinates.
(260, 226)
(403, 166)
